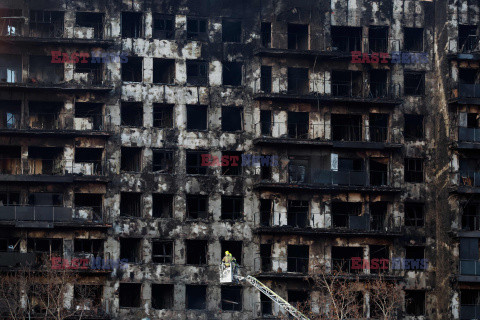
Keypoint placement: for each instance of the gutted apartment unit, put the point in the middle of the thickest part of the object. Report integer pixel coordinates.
(105, 157)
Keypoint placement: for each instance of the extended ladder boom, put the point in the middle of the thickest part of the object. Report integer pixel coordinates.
(274, 297)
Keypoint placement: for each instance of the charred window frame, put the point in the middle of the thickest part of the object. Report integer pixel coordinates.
(298, 125)
(266, 34)
(162, 296)
(231, 298)
(378, 38)
(415, 302)
(231, 30)
(162, 251)
(93, 246)
(87, 297)
(162, 205)
(131, 159)
(197, 72)
(346, 39)
(48, 246)
(232, 208)
(197, 207)
(163, 115)
(197, 29)
(9, 198)
(46, 24)
(196, 252)
(414, 83)
(467, 38)
(298, 36)
(298, 81)
(163, 71)
(162, 161)
(297, 213)
(6, 245)
(266, 79)
(299, 299)
(11, 68)
(414, 170)
(414, 214)
(194, 162)
(234, 167)
(12, 22)
(132, 24)
(413, 39)
(130, 295)
(132, 70)
(266, 122)
(92, 20)
(45, 199)
(132, 114)
(232, 73)
(471, 216)
(415, 252)
(298, 257)
(130, 249)
(163, 26)
(197, 118)
(130, 204)
(235, 248)
(232, 119)
(196, 297)
(414, 127)
(90, 73)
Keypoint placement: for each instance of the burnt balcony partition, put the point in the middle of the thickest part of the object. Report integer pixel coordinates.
(469, 311)
(47, 213)
(345, 178)
(469, 178)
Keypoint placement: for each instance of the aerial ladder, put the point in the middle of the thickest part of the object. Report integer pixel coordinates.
(229, 275)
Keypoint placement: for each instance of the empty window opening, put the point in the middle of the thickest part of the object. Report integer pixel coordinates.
(197, 207)
(467, 38)
(378, 171)
(298, 125)
(471, 217)
(415, 252)
(162, 205)
(266, 34)
(232, 73)
(347, 84)
(346, 127)
(10, 162)
(89, 246)
(89, 206)
(346, 39)
(266, 257)
(231, 298)
(196, 252)
(468, 76)
(299, 299)
(265, 305)
(298, 36)
(46, 160)
(42, 70)
(266, 212)
(349, 215)
(298, 170)
(414, 214)
(234, 167)
(132, 25)
(413, 39)
(298, 81)
(266, 122)
(231, 31)
(378, 127)
(197, 29)
(234, 247)
(196, 297)
(378, 39)
(266, 173)
(381, 253)
(132, 70)
(413, 129)
(162, 115)
(44, 114)
(89, 155)
(89, 116)
(48, 246)
(469, 303)
(232, 119)
(87, 297)
(194, 162)
(10, 68)
(89, 73)
(378, 84)
(162, 296)
(266, 79)
(232, 208)
(162, 251)
(414, 83)
(351, 165)
(12, 22)
(92, 20)
(164, 71)
(413, 170)
(130, 204)
(130, 295)
(46, 24)
(197, 117)
(163, 26)
(341, 258)
(9, 198)
(9, 114)
(131, 160)
(378, 212)
(130, 249)
(415, 302)
(472, 120)
(297, 213)
(298, 257)
(162, 161)
(197, 73)
(45, 199)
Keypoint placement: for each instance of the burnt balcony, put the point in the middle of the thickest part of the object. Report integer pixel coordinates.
(328, 134)
(16, 259)
(467, 181)
(466, 93)
(469, 267)
(469, 311)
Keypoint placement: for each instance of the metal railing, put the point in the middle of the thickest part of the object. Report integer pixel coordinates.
(325, 88)
(52, 121)
(469, 267)
(87, 76)
(47, 75)
(469, 134)
(341, 178)
(92, 122)
(469, 311)
(97, 31)
(468, 178)
(333, 221)
(466, 90)
(468, 44)
(283, 264)
(11, 74)
(44, 121)
(97, 214)
(33, 166)
(346, 43)
(470, 222)
(46, 30)
(36, 213)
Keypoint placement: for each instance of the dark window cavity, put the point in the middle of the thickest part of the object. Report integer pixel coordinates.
(414, 83)
(132, 114)
(297, 213)
(297, 36)
(266, 34)
(378, 39)
(162, 115)
(197, 117)
(232, 73)
(413, 129)
(163, 26)
(162, 251)
(413, 38)
(131, 159)
(298, 124)
(413, 170)
(164, 71)
(130, 295)
(415, 302)
(130, 204)
(234, 247)
(162, 161)
(232, 119)
(162, 296)
(266, 79)
(197, 207)
(266, 122)
(346, 39)
(231, 31)
(232, 208)
(132, 70)
(414, 214)
(92, 20)
(130, 249)
(196, 297)
(132, 25)
(297, 258)
(194, 162)
(298, 81)
(197, 73)
(196, 252)
(162, 205)
(197, 29)
(231, 298)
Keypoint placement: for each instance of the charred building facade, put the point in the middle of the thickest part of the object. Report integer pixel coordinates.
(376, 160)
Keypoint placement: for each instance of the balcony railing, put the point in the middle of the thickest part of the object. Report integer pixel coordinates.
(469, 178)
(469, 311)
(470, 267)
(328, 132)
(466, 90)
(468, 134)
(470, 222)
(341, 178)
(91, 213)
(469, 44)
(283, 264)
(52, 121)
(16, 166)
(332, 221)
(17, 259)
(35, 213)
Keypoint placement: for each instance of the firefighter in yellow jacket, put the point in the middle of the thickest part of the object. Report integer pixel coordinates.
(227, 259)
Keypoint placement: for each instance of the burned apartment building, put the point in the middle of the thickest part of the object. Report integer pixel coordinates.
(376, 160)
